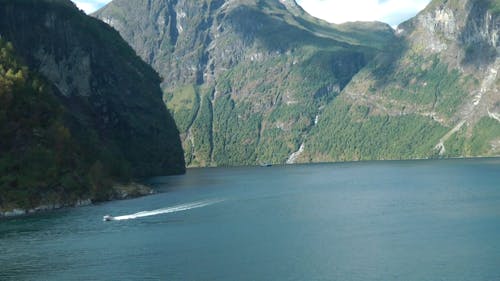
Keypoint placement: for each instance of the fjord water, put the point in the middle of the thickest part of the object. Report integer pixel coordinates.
(416, 220)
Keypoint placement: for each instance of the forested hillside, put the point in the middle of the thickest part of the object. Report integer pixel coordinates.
(245, 79)
(80, 112)
(437, 96)
(254, 82)
(38, 154)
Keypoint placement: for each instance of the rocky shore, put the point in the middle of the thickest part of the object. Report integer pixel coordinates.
(121, 192)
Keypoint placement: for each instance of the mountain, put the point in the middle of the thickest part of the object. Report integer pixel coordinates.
(253, 82)
(245, 79)
(80, 111)
(436, 96)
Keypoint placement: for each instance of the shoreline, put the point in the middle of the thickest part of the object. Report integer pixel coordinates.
(121, 192)
(352, 162)
(135, 189)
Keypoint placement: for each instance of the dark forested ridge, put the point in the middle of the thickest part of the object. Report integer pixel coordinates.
(37, 149)
(79, 110)
(253, 82)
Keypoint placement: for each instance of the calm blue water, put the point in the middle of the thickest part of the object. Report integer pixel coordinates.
(423, 220)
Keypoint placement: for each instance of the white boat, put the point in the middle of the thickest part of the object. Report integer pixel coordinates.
(108, 218)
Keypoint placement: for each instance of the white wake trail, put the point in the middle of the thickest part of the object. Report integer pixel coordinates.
(178, 208)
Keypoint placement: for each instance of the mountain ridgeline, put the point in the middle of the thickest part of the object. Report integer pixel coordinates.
(247, 82)
(79, 111)
(261, 81)
(245, 79)
(437, 96)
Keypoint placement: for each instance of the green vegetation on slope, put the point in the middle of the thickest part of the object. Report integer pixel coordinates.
(41, 159)
(390, 120)
(348, 132)
(269, 68)
(494, 6)
(184, 105)
(202, 128)
(235, 133)
(272, 70)
(104, 85)
(485, 136)
(408, 101)
(38, 155)
(484, 140)
(425, 82)
(96, 117)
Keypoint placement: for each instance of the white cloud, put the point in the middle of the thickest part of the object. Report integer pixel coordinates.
(392, 12)
(90, 6)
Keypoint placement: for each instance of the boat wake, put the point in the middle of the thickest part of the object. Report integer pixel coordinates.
(178, 208)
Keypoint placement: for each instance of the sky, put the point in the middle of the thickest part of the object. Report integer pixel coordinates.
(392, 12)
(90, 6)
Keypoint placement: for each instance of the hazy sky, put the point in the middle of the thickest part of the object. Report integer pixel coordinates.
(90, 6)
(392, 12)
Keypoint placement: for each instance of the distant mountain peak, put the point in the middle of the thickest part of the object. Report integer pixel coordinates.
(289, 3)
(245, 79)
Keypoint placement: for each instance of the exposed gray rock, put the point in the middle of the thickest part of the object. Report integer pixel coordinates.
(232, 69)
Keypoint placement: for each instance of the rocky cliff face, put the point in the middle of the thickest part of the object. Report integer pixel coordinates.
(261, 81)
(437, 96)
(245, 79)
(465, 32)
(111, 101)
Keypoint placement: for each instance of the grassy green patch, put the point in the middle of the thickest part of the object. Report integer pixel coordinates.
(348, 132)
(486, 131)
(184, 104)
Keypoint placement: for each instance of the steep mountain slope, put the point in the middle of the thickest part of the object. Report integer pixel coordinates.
(436, 96)
(79, 110)
(245, 79)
